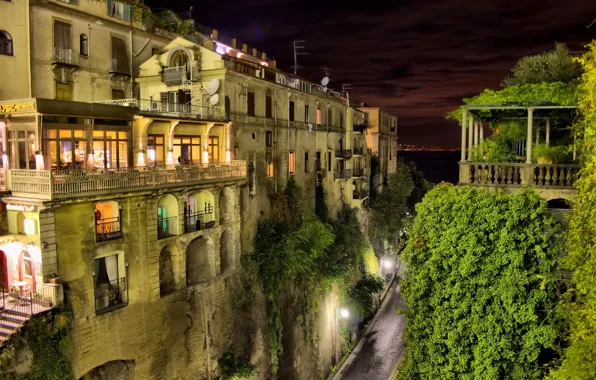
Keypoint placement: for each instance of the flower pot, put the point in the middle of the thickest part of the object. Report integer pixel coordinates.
(544, 160)
(54, 280)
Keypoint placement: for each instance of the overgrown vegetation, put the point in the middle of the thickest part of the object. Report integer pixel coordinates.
(231, 366)
(362, 293)
(480, 285)
(300, 250)
(46, 336)
(579, 359)
(391, 208)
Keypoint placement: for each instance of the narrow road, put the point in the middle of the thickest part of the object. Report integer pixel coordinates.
(378, 353)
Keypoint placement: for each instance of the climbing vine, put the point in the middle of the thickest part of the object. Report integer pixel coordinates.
(579, 359)
(481, 286)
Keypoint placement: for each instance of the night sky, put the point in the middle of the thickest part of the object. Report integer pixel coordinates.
(415, 58)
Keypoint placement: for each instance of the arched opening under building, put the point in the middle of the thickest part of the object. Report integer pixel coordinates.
(226, 205)
(107, 221)
(559, 203)
(115, 369)
(4, 279)
(198, 254)
(199, 211)
(167, 216)
(167, 283)
(226, 252)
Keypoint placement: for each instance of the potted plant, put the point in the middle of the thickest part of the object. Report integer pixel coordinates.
(53, 278)
(547, 155)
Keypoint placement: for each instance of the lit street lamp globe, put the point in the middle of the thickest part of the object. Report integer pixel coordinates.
(344, 313)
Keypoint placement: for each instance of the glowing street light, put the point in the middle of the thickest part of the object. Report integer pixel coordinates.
(344, 313)
(387, 263)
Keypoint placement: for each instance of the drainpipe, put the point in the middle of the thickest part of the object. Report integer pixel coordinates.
(132, 76)
(30, 64)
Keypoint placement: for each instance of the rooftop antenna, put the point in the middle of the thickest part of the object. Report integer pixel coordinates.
(325, 81)
(298, 44)
(592, 23)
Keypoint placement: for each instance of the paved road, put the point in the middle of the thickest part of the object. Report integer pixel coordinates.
(381, 347)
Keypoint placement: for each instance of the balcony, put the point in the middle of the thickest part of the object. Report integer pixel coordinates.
(173, 110)
(361, 128)
(48, 185)
(110, 296)
(358, 151)
(345, 153)
(342, 174)
(358, 172)
(198, 220)
(119, 67)
(166, 227)
(108, 229)
(174, 76)
(65, 57)
(360, 194)
(558, 177)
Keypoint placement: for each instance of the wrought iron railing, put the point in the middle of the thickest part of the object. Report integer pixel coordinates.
(358, 172)
(342, 174)
(343, 153)
(65, 56)
(23, 300)
(167, 227)
(119, 66)
(108, 229)
(110, 295)
(199, 220)
(46, 184)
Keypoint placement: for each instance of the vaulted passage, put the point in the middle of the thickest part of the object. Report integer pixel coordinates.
(166, 272)
(198, 255)
(226, 252)
(112, 370)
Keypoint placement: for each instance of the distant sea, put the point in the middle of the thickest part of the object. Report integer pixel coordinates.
(437, 166)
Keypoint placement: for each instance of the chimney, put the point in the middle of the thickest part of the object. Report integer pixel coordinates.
(273, 64)
(234, 43)
(245, 48)
(264, 56)
(214, 34)
(254, 52)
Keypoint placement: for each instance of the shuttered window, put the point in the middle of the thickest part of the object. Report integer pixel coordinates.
(119, 56)
(119, 10)
(62, 40)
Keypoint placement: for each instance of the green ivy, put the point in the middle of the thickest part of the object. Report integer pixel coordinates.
(579, 360)
(232, 366)
(480, 285)
(362, 294)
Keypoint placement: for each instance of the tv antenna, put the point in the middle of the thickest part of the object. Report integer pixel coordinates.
(344, 88)
(298, 44)
(325, 81)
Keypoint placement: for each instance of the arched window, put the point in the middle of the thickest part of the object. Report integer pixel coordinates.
(5, 43)
(84, 45)
(179, 58)
(107, 221)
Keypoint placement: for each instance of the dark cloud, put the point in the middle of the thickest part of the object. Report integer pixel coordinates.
(416, 58)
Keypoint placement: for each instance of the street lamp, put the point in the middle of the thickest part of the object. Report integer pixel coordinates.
(344, 313)
(387, 263)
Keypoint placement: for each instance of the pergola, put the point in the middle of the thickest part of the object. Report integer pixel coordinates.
(476, 131)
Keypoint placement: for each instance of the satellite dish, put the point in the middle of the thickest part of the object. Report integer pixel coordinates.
(214, 100)
(212, 86)
(325, 81)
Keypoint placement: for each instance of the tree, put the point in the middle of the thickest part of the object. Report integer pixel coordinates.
(556, 65)
(404, 189)
(480, 285)
(579, 359)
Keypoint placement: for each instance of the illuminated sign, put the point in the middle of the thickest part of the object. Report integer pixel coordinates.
(30, 226)
(6, 108)
(24, 208)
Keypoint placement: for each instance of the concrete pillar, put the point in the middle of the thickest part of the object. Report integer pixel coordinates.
(470, 136)
(547, 132)
(529, 138)
(476, 129)
(537, 133)
(481, 132)
(464, 120)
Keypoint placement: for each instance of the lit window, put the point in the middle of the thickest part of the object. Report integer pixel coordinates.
(318, 116)
(110, 283)
(292, 163)
(107, 221)
(270, 169)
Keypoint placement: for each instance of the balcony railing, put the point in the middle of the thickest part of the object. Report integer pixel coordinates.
(166, 227)
(175, 110)
(345, 153)
(108, 229)
(199, 220)
(358, 151)
(111, 295)
(342, 174)
(119, 66)
(46, 184)
(360, 194)
(65, 57)
(513, 174)
(174, 76)
(358, 172)
(24, 301)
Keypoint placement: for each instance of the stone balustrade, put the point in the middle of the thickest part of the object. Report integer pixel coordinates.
(514, 174)
(48, 184)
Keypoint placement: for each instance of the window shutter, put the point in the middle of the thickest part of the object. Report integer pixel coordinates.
(126, 12)
(110, 8)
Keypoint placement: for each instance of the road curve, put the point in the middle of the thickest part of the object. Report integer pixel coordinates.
(382, 346)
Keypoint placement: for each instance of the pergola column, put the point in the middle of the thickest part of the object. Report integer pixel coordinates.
(464, 121)
(529, 138)
(537, 133)
(476, 129)
(481, 132)
(470, 136)
(547, 132)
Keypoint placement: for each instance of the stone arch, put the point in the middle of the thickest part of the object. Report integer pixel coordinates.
(167, 216)
(114, 369)
(559, 203)
(167, 281)
(178, 50)
(226, 252)
(226, 205)
(199, 255)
